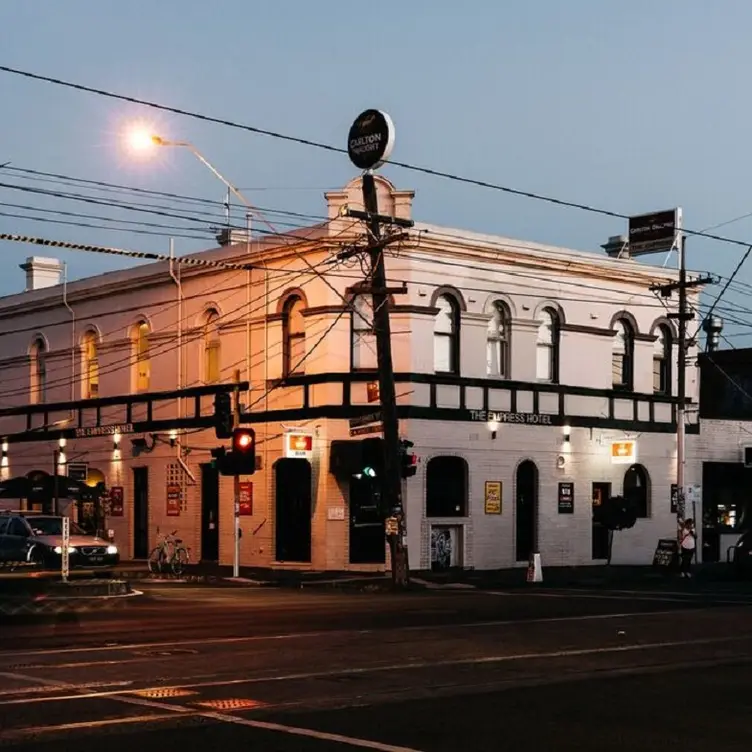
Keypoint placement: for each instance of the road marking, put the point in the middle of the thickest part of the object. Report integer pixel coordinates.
(310, 733)
(656, 598)
(20, 733)
(124, 695)
(340, 633)
(182, 711)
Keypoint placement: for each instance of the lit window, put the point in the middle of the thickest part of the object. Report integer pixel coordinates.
(90, 366)
(142, 357)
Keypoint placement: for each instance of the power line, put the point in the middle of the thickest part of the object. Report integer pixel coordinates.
(338, 150)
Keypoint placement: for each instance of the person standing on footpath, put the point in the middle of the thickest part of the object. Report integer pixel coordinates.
(687, 544)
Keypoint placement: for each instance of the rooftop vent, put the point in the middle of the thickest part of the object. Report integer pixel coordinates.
(617, 247)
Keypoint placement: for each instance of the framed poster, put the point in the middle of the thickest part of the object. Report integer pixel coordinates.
(174, 494)
(492, 501)
(566, 497)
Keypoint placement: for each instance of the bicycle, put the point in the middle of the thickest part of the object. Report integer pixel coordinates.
(169, 553)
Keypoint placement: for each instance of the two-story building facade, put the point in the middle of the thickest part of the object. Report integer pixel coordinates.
(534, 381)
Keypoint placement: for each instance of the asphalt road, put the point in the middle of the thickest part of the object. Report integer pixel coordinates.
(432, 671)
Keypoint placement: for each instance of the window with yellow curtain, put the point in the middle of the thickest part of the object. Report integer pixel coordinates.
(143, 360)
(212, 348)
(90, 369)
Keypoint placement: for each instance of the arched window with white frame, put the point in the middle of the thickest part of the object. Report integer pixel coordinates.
(38, 380)
(141, 357)
(90, 365)
(498, 351)
(622, 356)
(363, 335)
(212, 348)
(547, 346)
(662, 357)
(293, 332)
(446, 336)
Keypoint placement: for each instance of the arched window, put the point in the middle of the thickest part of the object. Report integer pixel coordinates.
(38, 385)
(446, 336)
(446, 487)
(637, 489)
(293, 326)
(622, 356)
(212, 348)
(497, 342)
(90, 366)
(363, 336)
(142, 357)
(662, 352)
(547, 347)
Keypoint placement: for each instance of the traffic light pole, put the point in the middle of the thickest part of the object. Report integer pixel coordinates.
(392, 482)
(236, 496)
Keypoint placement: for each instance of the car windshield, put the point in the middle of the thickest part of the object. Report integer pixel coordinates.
(52, 526)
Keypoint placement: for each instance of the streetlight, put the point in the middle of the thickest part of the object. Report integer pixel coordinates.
(142, 140)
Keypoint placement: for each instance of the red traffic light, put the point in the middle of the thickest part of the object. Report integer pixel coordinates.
(243, 439)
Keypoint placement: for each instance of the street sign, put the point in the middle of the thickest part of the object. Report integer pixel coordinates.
(78, 471)
(364, 420)
(655, 232)
(370, 140)
(363, 430)
(245, 499)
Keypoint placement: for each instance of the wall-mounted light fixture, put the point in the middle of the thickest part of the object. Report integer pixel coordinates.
(567, 434)
(62, 442)
(116, 442)
(5, 460)
(173, 437)
(493, 427)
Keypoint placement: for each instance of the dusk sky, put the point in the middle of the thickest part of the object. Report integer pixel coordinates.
(630, 106)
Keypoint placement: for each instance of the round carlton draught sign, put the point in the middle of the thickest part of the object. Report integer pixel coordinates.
(371, 139)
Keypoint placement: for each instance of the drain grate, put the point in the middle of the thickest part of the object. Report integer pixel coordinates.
(234, 704)
(162, 693)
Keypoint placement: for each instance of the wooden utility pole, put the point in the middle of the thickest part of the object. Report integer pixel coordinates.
(370, 142)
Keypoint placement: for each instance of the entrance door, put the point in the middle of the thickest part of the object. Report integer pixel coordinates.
(293, 510)
(601, 492)
(526, 510)
(209, 513)
(140, 512)
(367, 535)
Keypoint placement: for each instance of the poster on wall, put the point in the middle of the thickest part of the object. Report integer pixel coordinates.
(116, 501)
(174, 495)
(566, 497)
(493, 497)
(245, 499)
(674, 498)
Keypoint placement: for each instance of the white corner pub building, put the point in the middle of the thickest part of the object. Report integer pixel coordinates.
(534, 382)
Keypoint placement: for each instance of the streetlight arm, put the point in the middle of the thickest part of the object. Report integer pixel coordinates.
(196, 153)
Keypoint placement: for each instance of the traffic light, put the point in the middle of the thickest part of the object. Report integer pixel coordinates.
(372, 458)
(243, 454)
(241, 459)
(223, 415)
(408, 460)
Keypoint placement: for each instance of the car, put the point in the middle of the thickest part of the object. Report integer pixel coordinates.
(39, 539)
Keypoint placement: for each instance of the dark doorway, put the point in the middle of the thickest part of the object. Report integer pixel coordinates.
(209, 513)
(367, 535)
(293, 510)
(599, 540)
(140, 512)
(526, 510)
(726, 507)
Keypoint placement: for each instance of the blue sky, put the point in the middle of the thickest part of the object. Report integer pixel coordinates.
(631, 106)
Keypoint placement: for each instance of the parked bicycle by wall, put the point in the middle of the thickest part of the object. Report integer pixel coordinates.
(169, 556)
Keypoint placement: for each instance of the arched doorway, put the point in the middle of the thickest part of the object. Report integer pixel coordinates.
(637, 489)
(526, 510)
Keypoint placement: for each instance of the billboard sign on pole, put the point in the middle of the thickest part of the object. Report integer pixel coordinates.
(656, 232)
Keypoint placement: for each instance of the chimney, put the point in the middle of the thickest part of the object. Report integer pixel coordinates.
(617, 247)
(232, 236)
(42, 272)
